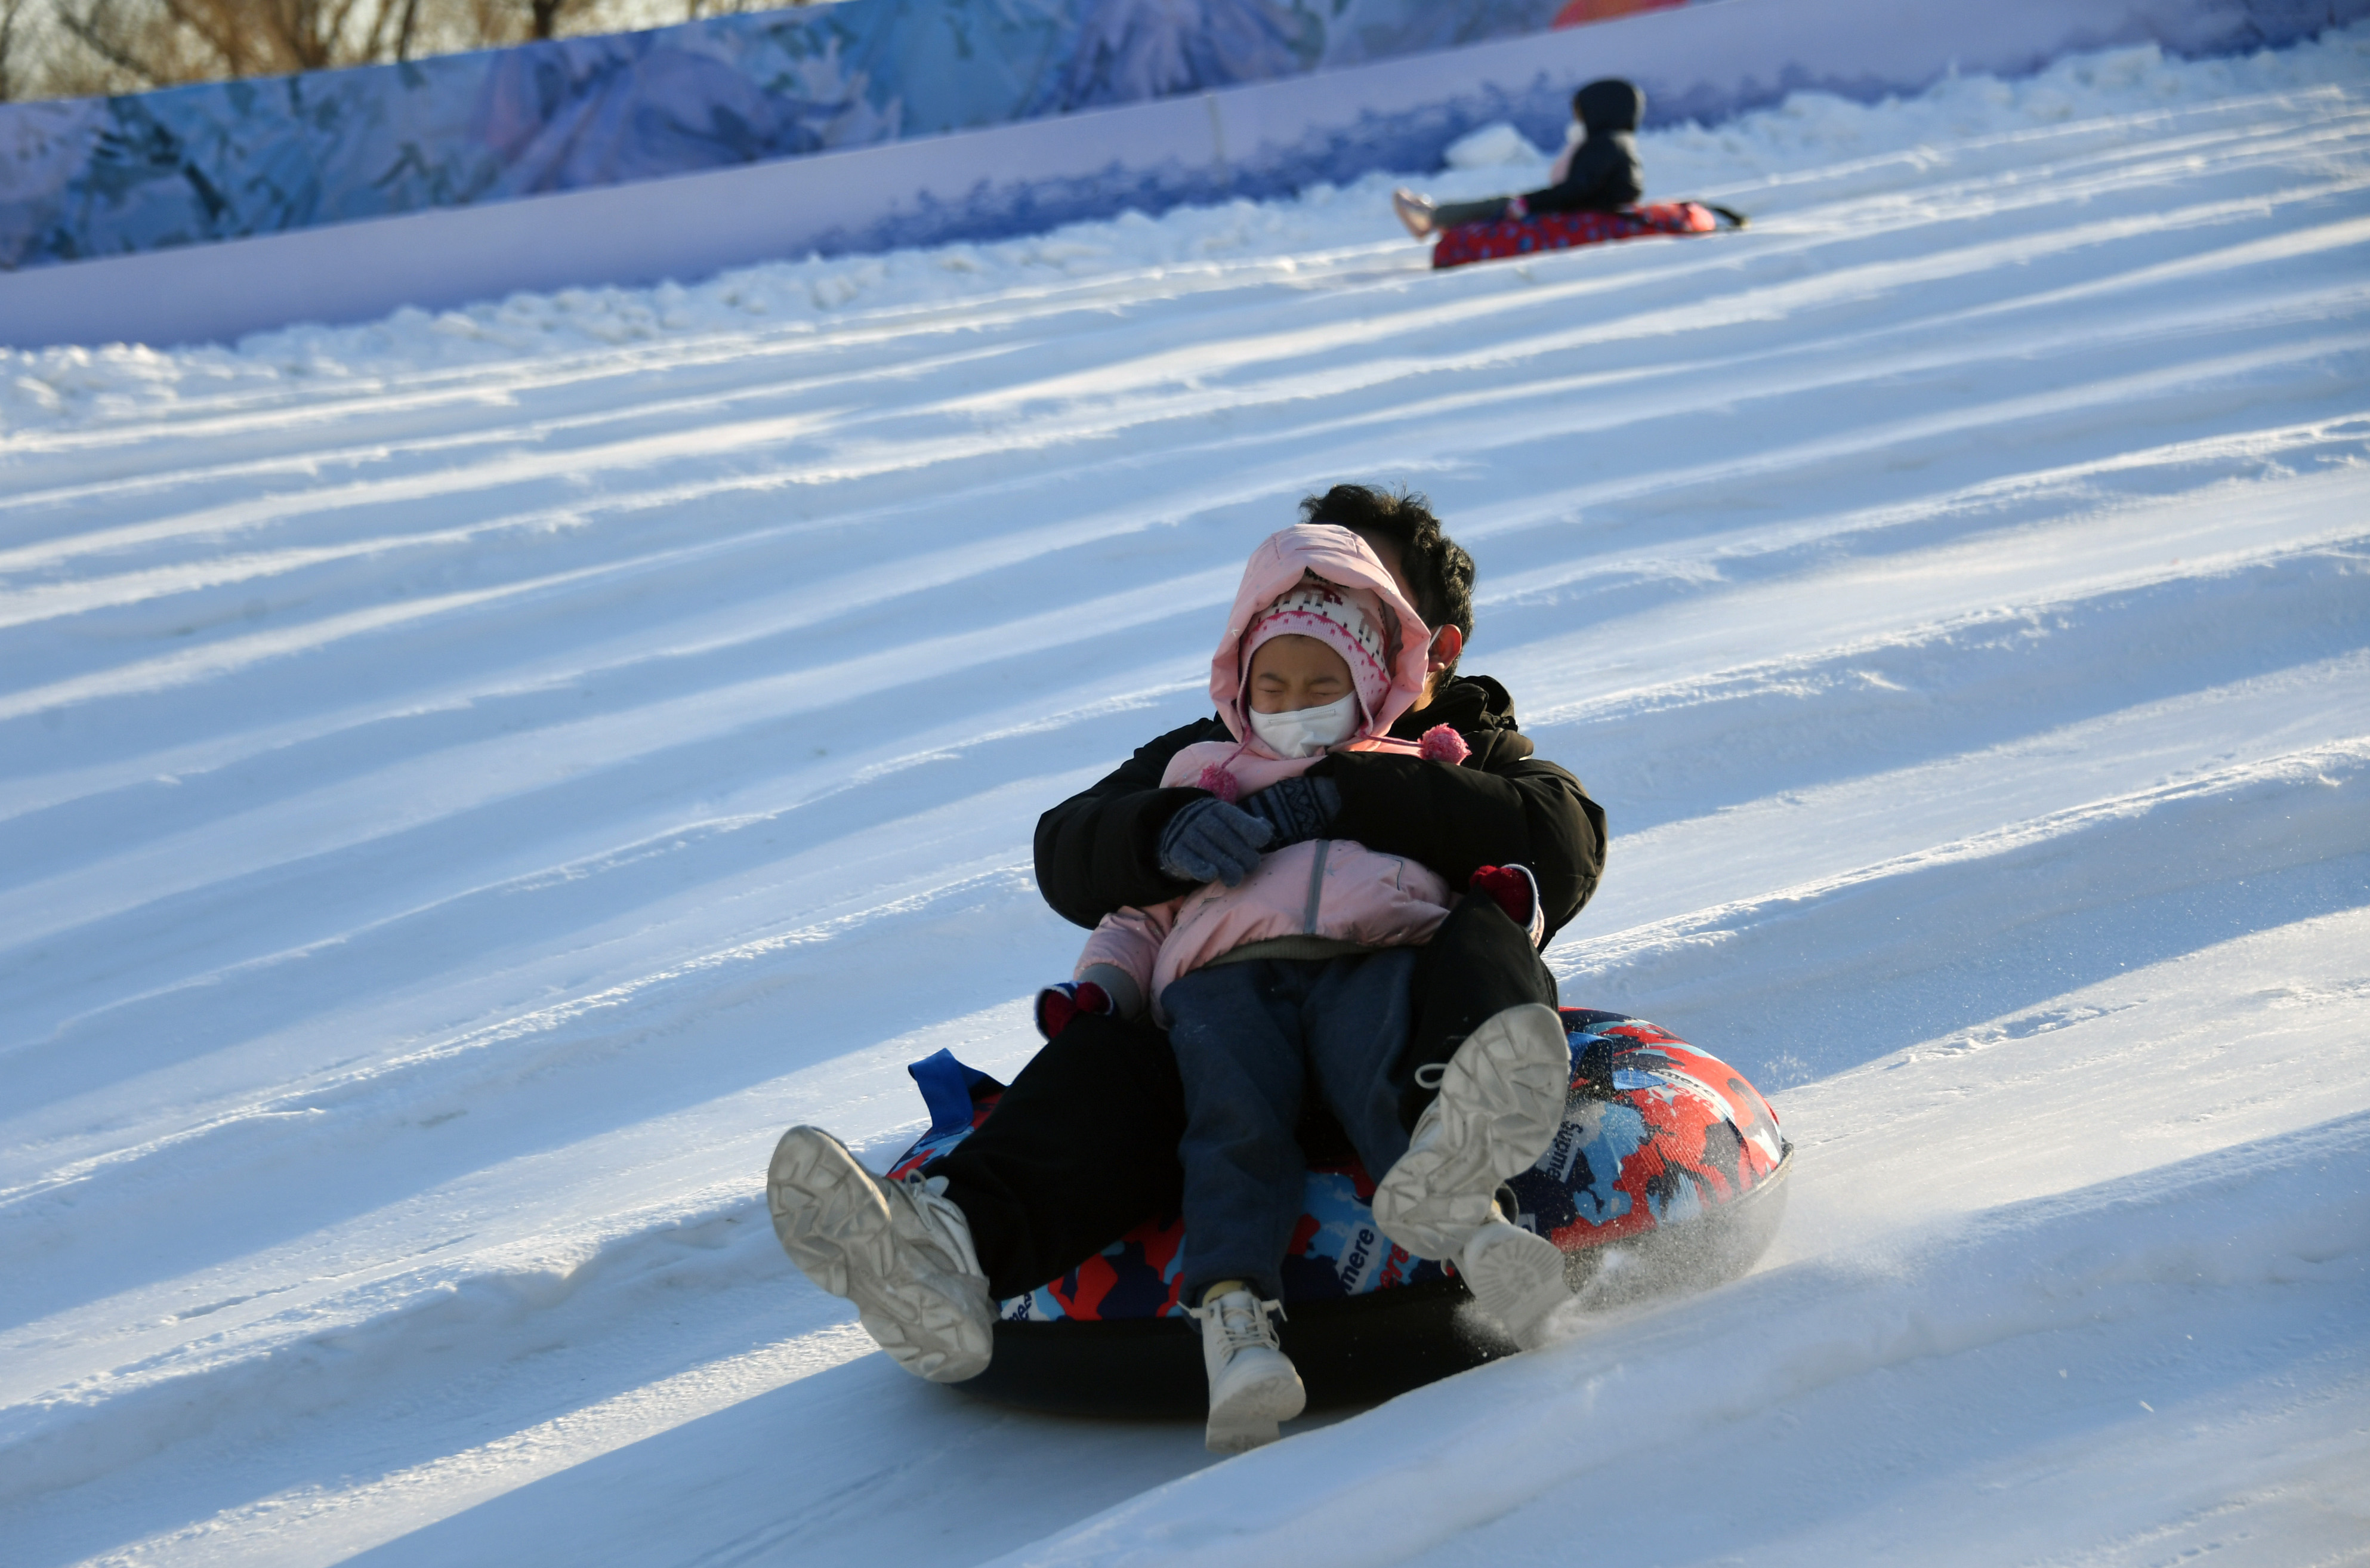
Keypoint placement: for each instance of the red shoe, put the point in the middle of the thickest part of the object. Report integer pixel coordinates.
(1517, 892)
(1057, 1005)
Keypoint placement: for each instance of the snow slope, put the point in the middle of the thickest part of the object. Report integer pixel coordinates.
(467, 783)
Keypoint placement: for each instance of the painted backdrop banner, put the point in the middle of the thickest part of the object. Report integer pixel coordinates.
(101, 177)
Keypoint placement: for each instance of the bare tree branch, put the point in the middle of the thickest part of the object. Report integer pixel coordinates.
(11, 12)
(50, 48)
(93, 30)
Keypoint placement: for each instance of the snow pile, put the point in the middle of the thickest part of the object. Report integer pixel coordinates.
(1491, 146)
(467, 783)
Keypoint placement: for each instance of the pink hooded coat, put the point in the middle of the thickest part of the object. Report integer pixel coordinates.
(1334, 890)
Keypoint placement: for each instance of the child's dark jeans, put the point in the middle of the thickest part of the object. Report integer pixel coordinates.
(1251, 1040)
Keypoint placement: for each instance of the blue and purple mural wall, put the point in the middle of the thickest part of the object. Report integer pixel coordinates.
(98, 177)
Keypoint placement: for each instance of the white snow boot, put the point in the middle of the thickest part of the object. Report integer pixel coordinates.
(1253, 1385)
(1501, 1101)
(901, 1251)
(1414, 211)
(1516, 1278)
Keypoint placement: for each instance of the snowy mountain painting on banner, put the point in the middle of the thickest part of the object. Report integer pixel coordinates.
(1129, 51)
(183, 165)
(1363, 31)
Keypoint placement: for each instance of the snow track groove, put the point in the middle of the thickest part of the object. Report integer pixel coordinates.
(466, 784)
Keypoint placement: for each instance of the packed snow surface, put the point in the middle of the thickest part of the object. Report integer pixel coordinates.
(467, 783)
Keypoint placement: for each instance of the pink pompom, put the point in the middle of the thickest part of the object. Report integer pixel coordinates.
(1440, 744)
(1221, 783)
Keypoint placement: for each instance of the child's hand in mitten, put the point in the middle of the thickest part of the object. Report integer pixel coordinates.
(1211, 841)
(1297, 810)
(1057, 1005)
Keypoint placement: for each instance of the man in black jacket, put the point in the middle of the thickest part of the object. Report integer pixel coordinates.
(1083, 1146)
(1602, 174)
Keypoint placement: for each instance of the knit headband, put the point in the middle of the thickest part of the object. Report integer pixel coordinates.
(1321, 611)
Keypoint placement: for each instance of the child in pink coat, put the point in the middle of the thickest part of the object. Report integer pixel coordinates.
(1297, 977)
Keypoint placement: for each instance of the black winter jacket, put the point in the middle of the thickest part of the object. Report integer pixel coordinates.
(1098, 850)
(1605, 172)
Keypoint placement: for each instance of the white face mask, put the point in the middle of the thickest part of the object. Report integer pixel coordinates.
(1305, 731)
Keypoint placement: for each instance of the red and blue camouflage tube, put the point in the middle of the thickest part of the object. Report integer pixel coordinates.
(1656, 1134)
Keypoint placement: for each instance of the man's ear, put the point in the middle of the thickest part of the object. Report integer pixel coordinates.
(1447, 646)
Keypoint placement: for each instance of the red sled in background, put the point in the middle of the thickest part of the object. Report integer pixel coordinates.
(1564, 231)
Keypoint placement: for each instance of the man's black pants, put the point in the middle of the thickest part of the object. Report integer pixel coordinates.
(1082, 1148)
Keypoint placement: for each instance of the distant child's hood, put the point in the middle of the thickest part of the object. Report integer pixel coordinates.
(1608, 106)
(1332, 555)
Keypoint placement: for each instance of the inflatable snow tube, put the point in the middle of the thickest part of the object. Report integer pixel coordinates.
(1668, 1174)
(1468, 243)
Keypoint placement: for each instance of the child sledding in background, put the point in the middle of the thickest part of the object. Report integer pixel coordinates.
(1599, 174)
(1296, 976)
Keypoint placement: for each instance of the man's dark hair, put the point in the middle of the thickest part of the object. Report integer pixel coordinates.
(1437, 568)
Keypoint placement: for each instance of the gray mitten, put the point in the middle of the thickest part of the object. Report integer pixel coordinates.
(1297, 809)
(1211, 841)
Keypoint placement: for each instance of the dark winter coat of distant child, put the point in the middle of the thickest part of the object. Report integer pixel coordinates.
(1596, 172)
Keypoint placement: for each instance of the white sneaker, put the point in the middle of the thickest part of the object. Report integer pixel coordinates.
(899, 1249)
(1253, 1385)
(1501, 1101)
(1516, 1278)
(1414, 211)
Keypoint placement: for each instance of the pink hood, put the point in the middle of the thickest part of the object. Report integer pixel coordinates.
(1345, 560)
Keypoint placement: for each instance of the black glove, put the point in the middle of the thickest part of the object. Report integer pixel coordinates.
(1297, 809)
(1211, 841)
